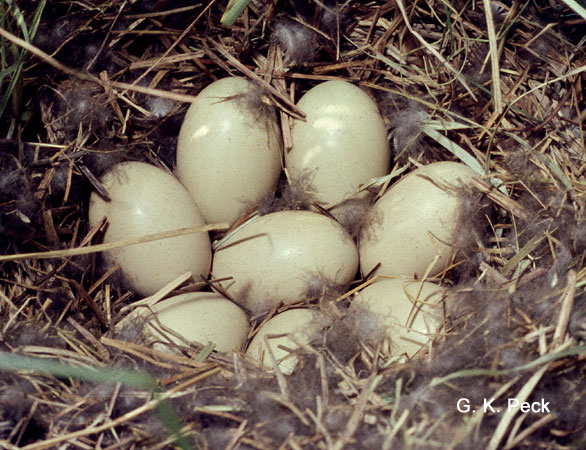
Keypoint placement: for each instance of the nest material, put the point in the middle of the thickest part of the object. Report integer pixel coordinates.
(508, 84)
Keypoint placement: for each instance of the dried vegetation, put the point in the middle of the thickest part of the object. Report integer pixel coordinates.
(108, 81)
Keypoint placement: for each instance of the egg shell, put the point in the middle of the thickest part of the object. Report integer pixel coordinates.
(410, 312)
(272, 259)
(342, 144)
(199, 317)
(413, 222)
(300, 323)
(229, 149)
(147, 200)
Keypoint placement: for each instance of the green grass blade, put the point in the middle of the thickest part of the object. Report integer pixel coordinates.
(19, 19)
(576, 7)
(443, 125)
(454, 149)
(233, 11)
(171, 421)
(14, 89)
(549, 357)
(14, 80)
(3, 60)
(16, 363)
(205, 352)
(37, 19)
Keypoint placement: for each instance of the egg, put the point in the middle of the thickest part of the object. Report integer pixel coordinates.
(409, 312)
(229, 149)
(301, 324)
(342, 144)
(414, 222)
(147, 200)
(272, 259)
(198, 317)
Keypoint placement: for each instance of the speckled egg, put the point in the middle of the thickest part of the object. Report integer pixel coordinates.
(199, 317)
(408, 312)
(229, 149)
(147, 200)
(410, 228)
(273, 258)
(302, 324)
(341, 144)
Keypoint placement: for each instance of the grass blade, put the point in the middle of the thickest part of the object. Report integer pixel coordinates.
(576, 7)
(233, 11)
(16, 363)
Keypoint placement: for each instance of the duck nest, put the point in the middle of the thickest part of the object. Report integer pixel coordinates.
(499, 86)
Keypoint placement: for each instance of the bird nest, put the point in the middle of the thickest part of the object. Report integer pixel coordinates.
(497, 86)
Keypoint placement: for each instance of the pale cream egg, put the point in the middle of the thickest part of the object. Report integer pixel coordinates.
(229, 149)
(147, 200)
(199, 317)
(410, 228)
(342, 144)
(272, 259)
(299, 325)
(409, 312)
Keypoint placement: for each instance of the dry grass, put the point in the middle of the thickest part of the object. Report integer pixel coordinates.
(499, 86)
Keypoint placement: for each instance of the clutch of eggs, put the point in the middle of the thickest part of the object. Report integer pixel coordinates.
(228, 157)
(147, 200)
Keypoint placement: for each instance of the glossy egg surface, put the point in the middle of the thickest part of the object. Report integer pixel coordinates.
(273, 258)
(299, 323)
(147, 200)
(229, 149)
(200, 317)
(342, 144)
(410, 228)
(410, 312)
